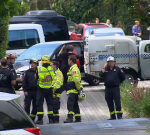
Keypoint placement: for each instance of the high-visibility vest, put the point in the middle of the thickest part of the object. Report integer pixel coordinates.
(46, 76)
(57, 82)
(74, 75)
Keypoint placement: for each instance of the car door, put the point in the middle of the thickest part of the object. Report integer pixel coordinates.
(144, 55)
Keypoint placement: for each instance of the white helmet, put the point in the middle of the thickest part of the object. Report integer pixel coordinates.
(110, 58)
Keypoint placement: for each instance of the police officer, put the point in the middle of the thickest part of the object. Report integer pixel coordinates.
(11, 57)
(7, 78)
(73, 89)
(45, 78)
(57, 90)
(112, 76)
(30, 88)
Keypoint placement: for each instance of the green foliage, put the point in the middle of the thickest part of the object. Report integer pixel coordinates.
(127, 11)
(135, 101)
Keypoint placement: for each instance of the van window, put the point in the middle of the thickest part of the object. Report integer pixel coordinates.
(21, 39)
(147, 48)
(12, 117)
(54, 30)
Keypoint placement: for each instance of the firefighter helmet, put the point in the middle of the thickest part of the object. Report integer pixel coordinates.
(33, 61)
(10, 55)
(110, 58)
(45, 59)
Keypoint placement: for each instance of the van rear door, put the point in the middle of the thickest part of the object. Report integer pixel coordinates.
(144, 55)
(99, 50)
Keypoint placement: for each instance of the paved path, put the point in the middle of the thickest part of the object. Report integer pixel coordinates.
(93, 108)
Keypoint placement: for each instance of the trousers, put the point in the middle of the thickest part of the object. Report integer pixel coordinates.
(46, 94)
(72, 104)
(112, 97)
(30, 98)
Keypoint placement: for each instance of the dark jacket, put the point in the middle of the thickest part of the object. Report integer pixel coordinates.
(113, 78)
(30, 80)
(6, 76)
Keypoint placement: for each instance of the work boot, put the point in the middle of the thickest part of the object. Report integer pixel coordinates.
(56, 119)
(69, 118)
(39, 121)
(50, 117)
(33, 118)
(119, 115)
(77, 118)
(112, 117)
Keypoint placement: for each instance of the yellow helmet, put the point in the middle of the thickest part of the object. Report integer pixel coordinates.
(45, 59)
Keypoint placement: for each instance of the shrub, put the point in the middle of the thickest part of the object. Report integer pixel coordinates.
(135, 101)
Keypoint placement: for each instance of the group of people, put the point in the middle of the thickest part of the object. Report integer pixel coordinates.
(50, 79)
(136, 29)
(47, 82)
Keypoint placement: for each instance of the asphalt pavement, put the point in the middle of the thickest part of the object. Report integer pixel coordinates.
(138, 126)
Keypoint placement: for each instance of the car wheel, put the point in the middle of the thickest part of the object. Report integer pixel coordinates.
(130, 77)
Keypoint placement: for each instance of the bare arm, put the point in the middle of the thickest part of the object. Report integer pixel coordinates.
(13, 83)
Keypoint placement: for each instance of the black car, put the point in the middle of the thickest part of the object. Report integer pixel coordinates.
(54, 25)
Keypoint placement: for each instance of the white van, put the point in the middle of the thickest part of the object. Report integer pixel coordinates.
(23, 36)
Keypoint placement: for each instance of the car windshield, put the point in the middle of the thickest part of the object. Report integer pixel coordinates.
(38, 51)
(104, 31)
(89, 30)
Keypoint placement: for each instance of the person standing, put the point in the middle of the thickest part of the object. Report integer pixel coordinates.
(45, 77)
(72, 49)
(97, 20)
(73, 89)
(57, 90)
(11, 57)
(63, 55)
(30, 89)
(7, 78)
(108, 23)
(112, 76)
(136, 29)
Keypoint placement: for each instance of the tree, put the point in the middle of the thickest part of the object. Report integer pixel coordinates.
(7, 9)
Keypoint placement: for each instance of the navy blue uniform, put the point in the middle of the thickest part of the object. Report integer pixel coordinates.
(112, 79)
(6, 76)
(30, 86)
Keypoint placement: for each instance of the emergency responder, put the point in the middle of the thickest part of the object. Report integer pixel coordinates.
(57, 90)
(112, 76)
(7, 78)
(73, 89)
(30, 88)
(63, 55)
(45, 78)
(11, 57)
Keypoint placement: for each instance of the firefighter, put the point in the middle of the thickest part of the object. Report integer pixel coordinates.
(73, 90)
(45, 78)
(57, 90)
(30, 88)
(7, 78)
(11, 57)
(112, 76)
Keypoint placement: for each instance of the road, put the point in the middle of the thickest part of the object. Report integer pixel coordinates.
(94, 113)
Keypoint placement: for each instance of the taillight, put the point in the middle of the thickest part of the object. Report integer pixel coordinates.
(35, 131)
